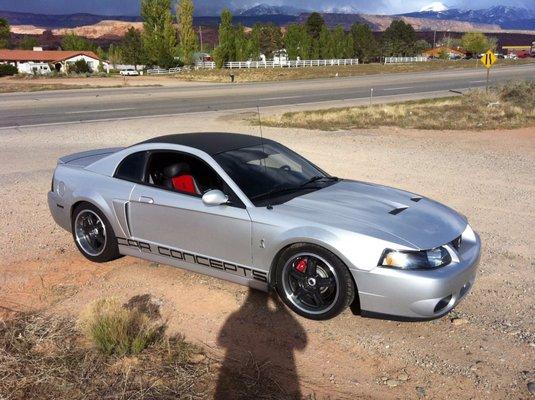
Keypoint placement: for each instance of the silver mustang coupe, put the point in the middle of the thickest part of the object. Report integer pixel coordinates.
(254, 212)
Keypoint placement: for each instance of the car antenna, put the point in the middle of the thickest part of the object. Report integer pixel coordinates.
(269, 206)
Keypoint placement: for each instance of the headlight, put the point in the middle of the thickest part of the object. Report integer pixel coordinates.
(425, 259)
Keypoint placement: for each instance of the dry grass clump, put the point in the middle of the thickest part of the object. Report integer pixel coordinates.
(46, 357)
(510, 106)
(121, 329)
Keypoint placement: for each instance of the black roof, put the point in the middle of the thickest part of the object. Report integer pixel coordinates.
(211, 142)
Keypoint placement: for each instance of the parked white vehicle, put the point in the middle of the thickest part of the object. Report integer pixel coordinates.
(129, 72)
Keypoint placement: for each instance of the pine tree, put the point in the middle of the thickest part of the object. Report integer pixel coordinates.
(365, 47)
(398, 39)
(315, 24)
(132, 47)
(186, 34)
(5, 33)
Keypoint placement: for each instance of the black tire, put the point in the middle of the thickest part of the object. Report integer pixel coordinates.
(331, 281)
(93, 249)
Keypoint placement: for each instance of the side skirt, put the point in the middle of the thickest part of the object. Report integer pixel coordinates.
(232, 272)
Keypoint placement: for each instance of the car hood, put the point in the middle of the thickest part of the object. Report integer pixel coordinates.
(368, 208)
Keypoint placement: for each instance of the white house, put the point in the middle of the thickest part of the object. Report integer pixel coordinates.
(33, 61)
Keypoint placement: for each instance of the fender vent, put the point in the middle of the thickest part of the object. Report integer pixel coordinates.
(396, 211)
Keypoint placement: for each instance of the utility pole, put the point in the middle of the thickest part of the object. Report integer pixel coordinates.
(200, 35)
(435, 39)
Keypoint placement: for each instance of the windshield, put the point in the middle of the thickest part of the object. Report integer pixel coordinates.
(269, 171)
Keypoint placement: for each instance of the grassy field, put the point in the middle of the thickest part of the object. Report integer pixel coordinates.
(278, 74)
(509, 106)
(10, 87)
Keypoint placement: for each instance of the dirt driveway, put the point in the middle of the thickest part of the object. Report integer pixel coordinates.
(485, 349)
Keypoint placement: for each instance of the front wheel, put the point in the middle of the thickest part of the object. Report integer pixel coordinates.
(93, 234)
(313, 282)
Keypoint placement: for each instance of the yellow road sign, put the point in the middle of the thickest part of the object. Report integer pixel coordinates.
(488, 59)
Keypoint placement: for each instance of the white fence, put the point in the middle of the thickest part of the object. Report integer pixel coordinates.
(397, 60)
(161, 71)
(279, 64)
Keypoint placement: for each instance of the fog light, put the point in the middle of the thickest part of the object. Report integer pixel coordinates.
(442, 304)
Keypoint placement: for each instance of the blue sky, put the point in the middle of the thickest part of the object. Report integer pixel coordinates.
(211, 7)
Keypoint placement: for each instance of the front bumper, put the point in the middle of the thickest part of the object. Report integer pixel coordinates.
(419, 294)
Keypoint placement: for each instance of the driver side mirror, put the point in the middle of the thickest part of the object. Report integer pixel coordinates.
(214, 197)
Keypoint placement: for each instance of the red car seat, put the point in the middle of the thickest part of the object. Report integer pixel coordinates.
(178, 177)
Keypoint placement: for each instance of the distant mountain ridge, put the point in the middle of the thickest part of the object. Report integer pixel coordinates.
(504, 16)
(435, 16)
(266, 9)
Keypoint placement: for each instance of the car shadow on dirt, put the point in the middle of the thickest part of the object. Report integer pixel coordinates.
(260, 340)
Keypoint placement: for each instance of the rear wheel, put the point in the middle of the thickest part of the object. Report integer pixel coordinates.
(313, 282)
(93, 234)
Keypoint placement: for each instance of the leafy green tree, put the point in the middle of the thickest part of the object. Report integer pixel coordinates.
(186, 34)
(325, 42)
(159, 36)
(241, 44)
(226, 50)
(475, 42)
(28, 43)
(132, 50)
(398, 39)
(492, 43)
(73, 42)
(253, 44)
(115, 55)
(365, 47)
(315, 24)
(420, 46)
(100, 53)
(5, 33)
(270, 39)
(349, 46)
(339, 42)
(297, 42)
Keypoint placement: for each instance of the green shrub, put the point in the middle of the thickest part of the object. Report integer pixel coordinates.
(80, 67)
(120, 329)
(8, 70)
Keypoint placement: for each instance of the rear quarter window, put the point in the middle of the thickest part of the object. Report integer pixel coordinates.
(132, 168)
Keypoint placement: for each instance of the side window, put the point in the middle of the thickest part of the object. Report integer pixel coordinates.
(132, 168)
(182, 173)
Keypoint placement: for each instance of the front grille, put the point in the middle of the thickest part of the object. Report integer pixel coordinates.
(457, 242)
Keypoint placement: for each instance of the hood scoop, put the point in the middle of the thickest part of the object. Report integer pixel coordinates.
(416, 199)
(396, 211)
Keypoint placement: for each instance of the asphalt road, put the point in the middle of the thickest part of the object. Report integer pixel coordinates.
(70, 106)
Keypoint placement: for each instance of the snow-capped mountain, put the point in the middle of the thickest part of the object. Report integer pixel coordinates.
(341, 10)
(436, 6)
(266, 9)
(505, 16)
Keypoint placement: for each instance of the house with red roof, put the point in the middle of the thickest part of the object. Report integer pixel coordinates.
(38, 61)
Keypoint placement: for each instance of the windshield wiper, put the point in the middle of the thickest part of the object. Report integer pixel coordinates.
(276, 190)
(319, 178)
(285, 189)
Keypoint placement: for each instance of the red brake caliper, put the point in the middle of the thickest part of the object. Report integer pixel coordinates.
(301, 265)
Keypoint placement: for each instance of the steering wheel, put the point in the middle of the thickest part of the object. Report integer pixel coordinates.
(285, 167)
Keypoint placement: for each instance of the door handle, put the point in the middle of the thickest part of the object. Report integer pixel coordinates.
(148, 200)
